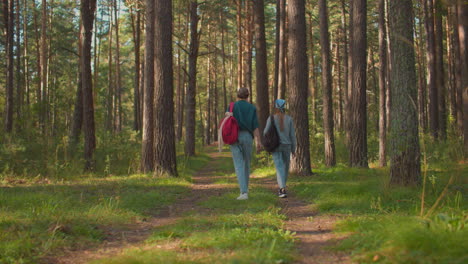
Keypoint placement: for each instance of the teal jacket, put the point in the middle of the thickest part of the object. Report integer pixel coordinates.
(246, 115)
(288, 135)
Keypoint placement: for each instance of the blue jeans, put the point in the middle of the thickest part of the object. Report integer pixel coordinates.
(281, 157)
(241, 155)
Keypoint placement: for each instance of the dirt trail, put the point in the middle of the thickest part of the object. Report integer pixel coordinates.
(134, 235)
(313, 230)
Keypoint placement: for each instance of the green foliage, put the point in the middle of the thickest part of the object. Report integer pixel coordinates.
(383, 222)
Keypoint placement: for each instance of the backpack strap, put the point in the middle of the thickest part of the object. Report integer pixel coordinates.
(231, 107)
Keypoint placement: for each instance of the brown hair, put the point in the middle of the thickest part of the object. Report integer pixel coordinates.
(243, 93)
(281, 118)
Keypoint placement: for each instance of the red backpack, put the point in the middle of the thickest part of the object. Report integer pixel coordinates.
(228, 129)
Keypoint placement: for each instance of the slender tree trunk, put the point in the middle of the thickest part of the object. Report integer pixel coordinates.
(240, 44)
(298, 83)
(451, 83)
(164, 133)
(421, 78)
(345, 63)
(223, 50)
(248, 44)
(404, 139)
(358, 103)
(431, 69)
(440, 81)
(277, 50)
(26, 52)
(118, 76)
(136, 90)
(147, 144)
(77, 122)
(382, 86)
(330, 159)
(457, 71)
(110, 88)
(208, 100)
(87, 16)
(44, 67)
(283, 51)
(261, 64)
(8, 6)
(19, 83)
(192, 83)
(313, 76)
(463, 40)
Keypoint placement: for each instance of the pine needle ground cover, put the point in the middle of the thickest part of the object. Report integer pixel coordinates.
(383, 223)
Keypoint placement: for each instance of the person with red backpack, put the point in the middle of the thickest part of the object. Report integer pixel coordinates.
(246, 116)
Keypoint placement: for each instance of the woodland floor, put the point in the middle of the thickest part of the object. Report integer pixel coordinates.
(314, 232)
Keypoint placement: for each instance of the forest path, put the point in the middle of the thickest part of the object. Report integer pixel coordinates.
(314, 231)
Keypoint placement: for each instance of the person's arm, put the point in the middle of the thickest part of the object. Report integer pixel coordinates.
(257, 138)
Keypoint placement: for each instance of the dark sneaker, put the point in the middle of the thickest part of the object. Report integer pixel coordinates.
(282, 193)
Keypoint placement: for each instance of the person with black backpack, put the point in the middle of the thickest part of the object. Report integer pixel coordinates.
(284, 126)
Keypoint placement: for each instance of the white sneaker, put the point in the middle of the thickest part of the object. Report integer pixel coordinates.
(243, 196)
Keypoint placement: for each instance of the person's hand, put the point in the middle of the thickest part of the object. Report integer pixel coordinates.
(259, 146)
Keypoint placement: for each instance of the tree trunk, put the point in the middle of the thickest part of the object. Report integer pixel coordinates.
(358, 104)
(277, 50)
(44, 67)
(147, 144)
(78, 110)
(261, 64)
(330, 159)
(404, 140)
(431, 69)
(87, 16)
(463, 40)
(440, 80)
(298, 84)
(19, 83)
(208, 100)
(8, 6)
(421, 79)
(345, 68)
(282, 51)
(164, 133)
(136, 94)
(110, 88)
(382, 86)
(248, 45)
(118, 76)
(222, 20)
(26, 53)
(192, 83)
(240, 44)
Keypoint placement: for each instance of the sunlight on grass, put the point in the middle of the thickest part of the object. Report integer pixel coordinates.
(383, 223)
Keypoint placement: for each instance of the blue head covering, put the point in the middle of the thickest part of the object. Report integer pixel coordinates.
(280, 104)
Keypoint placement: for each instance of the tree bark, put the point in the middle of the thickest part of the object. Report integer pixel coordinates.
(136, 90)
(78, 110)
(440, 80)
(8, 6)
(192, 83)
(463, 40)
(431, 69)
(119, 115)
(87, 16)
(261, 64)
(382, 86)
(330, 159)
(298, 83)
(147, 144)
(358, 102)
(164, 132)
(282, 51)
(404, 139)
(240, 44)
(110, 80)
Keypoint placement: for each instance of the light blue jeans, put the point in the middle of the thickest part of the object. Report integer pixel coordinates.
(281, 157)
(241, 155)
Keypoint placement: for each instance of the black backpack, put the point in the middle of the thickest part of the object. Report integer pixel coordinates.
(271, 139)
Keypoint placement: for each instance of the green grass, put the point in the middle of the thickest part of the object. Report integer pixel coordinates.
(62, 207)
(382, 223)
(234, 232)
